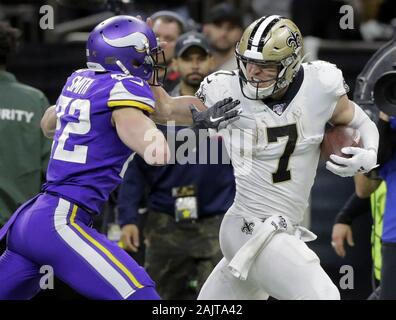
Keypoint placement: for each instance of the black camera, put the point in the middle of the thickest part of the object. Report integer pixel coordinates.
(376, 84)
(385, 92)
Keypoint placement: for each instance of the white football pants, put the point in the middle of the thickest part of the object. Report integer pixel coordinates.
(285, 268)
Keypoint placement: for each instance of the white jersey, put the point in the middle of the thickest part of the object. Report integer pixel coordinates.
(275, 168)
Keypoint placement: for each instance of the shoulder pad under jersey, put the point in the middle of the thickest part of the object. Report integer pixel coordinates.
(130, 91)
(215, 87)
(328, 76)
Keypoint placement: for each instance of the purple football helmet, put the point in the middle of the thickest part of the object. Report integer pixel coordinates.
(124, 43)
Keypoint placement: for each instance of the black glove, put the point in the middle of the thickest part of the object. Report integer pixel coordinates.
(220, 113)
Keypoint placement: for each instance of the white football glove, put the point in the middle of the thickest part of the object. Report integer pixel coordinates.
(362, 161)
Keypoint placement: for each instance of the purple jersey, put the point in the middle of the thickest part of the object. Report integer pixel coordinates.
(88, 158)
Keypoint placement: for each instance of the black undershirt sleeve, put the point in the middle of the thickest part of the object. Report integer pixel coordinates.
(353, 208)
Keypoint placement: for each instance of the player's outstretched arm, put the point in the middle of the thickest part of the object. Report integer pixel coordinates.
(48, 122)
(169, 108)
(189, 110)
(363, 159)
(140, 134)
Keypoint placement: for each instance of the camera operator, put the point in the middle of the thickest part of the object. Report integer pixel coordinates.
(376, 88)
(365, 186)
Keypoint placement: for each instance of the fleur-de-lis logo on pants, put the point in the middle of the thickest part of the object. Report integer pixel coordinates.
(247, 227)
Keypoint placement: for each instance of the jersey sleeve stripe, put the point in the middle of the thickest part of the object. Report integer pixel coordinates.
(131, 103)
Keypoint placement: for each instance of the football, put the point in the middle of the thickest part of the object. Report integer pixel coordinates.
(338, 137)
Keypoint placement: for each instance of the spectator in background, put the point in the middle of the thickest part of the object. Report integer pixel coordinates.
(270, 7)
(185, 203)
(168, 26)
(223, 28)
(24, 149)
(376, 18)
(387, 11)
(321, 19)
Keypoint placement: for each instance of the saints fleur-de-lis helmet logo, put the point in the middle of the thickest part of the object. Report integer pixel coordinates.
(294, 40)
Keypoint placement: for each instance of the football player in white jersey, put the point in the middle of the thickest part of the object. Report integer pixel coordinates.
(285, 107)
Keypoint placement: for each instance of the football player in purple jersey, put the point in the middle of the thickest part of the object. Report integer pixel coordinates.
(100, 119)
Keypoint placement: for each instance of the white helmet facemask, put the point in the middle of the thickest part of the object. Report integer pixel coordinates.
(251, 88)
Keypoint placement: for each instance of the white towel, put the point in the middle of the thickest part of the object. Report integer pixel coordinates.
(244, 258)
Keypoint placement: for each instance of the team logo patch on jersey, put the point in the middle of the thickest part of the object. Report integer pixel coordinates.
(247, 227)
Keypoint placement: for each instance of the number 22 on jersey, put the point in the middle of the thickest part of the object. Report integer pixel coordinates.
(78, 113)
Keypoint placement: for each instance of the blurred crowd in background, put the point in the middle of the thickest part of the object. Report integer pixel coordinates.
(176, 254)
(319, 22)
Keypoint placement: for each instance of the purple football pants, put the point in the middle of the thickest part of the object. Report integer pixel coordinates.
(53, 232)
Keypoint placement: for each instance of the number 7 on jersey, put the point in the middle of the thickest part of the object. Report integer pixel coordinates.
(290, 131)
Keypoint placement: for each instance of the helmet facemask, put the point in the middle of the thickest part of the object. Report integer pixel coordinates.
(153, 61)
(253, 89)
(149, 68)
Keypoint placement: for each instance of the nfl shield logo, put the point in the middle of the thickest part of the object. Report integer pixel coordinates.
(278, 108)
